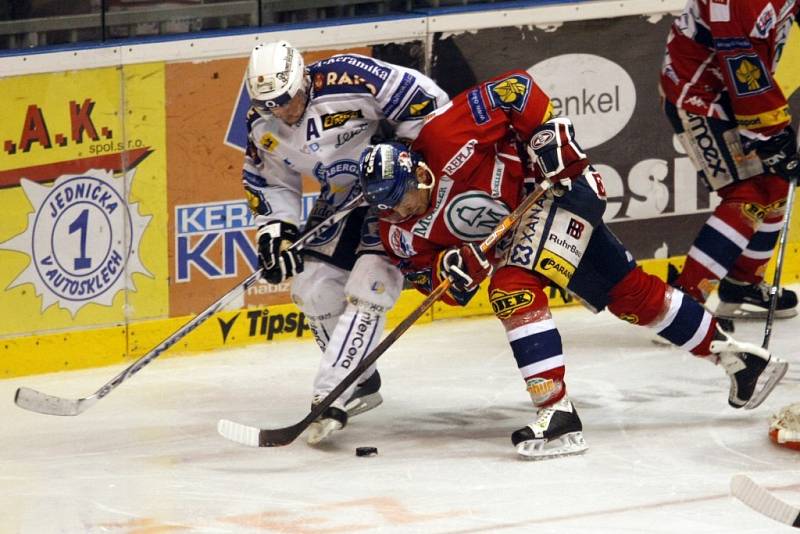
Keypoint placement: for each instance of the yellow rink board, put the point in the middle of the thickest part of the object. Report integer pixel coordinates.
(116, 345)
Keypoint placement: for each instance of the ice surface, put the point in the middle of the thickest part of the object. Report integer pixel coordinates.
(663, 443)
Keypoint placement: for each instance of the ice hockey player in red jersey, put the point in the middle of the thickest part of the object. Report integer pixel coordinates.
(466, 170)
(729, 113)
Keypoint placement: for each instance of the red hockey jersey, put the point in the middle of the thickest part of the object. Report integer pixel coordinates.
(721, 58)
(473, 146)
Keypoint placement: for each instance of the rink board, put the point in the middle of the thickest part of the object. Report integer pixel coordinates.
(122, 123)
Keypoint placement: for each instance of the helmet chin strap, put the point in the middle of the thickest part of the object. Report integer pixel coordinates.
(428, 170)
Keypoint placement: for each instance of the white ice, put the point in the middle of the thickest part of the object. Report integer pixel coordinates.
(663, 443)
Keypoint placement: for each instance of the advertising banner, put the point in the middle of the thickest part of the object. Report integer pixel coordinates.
(82, 185)
(603, 75)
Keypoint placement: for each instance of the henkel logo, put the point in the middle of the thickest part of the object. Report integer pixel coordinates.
(596, 93)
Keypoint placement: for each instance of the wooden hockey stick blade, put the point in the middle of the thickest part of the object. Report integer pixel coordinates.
(36, 401)
(278, 437)
(763, 501)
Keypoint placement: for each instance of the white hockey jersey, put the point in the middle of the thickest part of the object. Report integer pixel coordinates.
(349, 95)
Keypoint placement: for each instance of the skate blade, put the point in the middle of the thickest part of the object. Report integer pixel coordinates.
(363, 404)
(319, 431)
(767, 381)
(568, 445)
(750, 312)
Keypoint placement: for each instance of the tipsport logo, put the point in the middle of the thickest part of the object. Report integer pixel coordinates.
(262, 324)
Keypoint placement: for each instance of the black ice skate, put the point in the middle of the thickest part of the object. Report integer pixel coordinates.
(753, 371)
(366, 396)
(751, 301)
(331, 420)
(557, 431)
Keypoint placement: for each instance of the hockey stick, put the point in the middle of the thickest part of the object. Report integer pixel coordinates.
(776, 280)
(36, 401)
(762, 501)
(276, 437)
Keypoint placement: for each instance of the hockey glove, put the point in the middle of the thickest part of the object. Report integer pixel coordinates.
(466, 267)
(555, 154)
(278, 261)
(779, 155)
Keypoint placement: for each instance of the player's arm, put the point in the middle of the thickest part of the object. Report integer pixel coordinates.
(406, 97)
(744, 57)
(274, 196)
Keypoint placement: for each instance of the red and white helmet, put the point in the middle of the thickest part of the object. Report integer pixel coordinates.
(275, 73)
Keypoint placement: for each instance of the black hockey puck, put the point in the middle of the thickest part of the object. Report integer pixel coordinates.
(366, 451)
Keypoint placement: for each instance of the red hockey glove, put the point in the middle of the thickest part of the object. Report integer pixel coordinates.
(466, 267)
(779, 155)
(554, 152)
(278, 261)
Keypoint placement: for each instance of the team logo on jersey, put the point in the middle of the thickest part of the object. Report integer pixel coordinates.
(749, 75)
(473, 215)
(256, 201)
(505, 304)
(335, 120)
(400, 240)
(419, 105)
(511, 92)
(269, 142)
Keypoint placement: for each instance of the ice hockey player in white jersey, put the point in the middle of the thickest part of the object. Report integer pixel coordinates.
(315, 121)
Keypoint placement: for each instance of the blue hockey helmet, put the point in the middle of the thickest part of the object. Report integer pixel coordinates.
(387, 171)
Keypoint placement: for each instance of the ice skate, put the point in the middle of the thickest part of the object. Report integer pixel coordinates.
(753, 371)
(331, 420)
(557, 431)
(751, 301)
(366, 396)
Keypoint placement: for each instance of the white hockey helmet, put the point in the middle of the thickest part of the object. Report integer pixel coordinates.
(275, 73)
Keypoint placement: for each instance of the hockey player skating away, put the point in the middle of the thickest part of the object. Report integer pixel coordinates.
(465, 171)
(730, 115)
(316, 121)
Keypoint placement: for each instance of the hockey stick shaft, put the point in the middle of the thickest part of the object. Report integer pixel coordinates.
(283, 436)
(776, 280)
(36, 401)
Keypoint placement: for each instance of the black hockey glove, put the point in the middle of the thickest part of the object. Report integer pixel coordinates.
(779, 155)
(278, 261)
(554, 153)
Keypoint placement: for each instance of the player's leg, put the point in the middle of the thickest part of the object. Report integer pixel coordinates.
(738, 239)
(644, 299)
(371, 290)
(743, 292)
(520, 303)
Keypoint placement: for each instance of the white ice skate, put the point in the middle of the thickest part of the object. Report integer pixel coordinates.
(557, 431)
(753, 371)
(331, 420)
